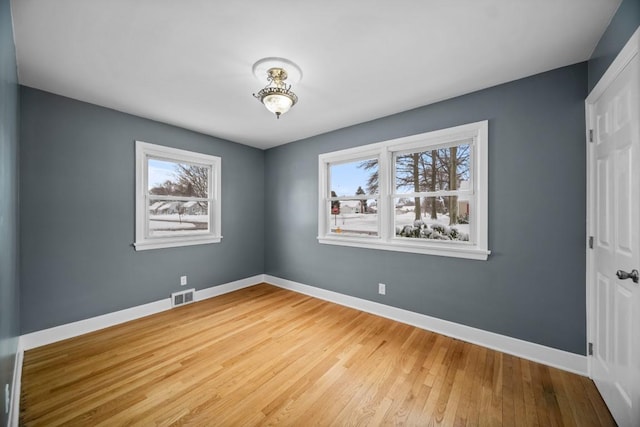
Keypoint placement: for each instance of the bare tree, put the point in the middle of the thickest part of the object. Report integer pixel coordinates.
(416, 183)
(167, 188)
(454, 167)
(363, 203)
(193, 180)
(428, 171)
(372, 181)
(188, 181)
(434, 173)
(453, 185)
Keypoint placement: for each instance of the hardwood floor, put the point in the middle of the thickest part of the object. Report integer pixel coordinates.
(267, 356)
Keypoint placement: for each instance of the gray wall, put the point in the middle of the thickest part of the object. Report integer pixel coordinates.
(622, 26)
(77, 213)
(9, 284)
(533, 285)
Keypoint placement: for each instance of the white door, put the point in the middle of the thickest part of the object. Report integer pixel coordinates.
(614, 222)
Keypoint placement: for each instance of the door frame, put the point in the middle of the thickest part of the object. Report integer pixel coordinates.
(628, 52)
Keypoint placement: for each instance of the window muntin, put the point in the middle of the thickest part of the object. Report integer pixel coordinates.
(443, 173)
(428, 227)
(171, 217)
(354, 217)
(171, 178)
(438, 169)
(357, 177)
(177, 197)
(352, 198)
(434, 195)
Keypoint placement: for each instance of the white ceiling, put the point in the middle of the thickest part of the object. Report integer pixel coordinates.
(189, 62)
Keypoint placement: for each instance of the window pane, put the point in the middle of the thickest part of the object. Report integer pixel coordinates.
(354, 178)
(171, 217)
(433, 170)
(168, 178)
(435, 218)
(354, 217)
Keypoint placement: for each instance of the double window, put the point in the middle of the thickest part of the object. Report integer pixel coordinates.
(177, 197)
(424, 193)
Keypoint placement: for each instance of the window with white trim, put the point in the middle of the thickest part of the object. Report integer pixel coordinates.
(177, 197)
(424, 193)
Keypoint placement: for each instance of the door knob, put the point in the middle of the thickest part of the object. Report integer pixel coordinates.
(634, 275)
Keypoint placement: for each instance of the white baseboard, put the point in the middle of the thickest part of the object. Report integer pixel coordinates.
(535, 352)
(215, 291)
(14, 404)
(70, 330)
(74, 329)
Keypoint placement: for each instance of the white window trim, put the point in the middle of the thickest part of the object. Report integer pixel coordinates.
(143, 241)
(386, 239)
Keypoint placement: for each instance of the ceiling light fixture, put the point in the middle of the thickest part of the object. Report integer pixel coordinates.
(277, 96)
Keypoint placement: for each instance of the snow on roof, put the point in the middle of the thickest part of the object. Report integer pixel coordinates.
(350, 203)
(167, 205)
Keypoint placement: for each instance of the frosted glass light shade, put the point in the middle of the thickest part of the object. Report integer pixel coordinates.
(277, 103)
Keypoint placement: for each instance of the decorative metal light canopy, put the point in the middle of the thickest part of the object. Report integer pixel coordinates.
(277, 96)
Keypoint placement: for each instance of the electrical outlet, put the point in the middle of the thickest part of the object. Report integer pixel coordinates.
(183, 280)
(382, 289)
(7, 398)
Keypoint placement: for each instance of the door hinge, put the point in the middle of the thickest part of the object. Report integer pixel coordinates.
(590, 135)
(590, 242)
(590, 351)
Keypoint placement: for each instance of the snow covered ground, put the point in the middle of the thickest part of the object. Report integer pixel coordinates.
(160, 225)
(367, 223)
(351, 223)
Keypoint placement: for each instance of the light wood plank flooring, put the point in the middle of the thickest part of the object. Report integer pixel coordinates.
(267, 356)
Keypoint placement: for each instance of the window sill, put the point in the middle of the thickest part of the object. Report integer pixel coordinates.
(441, 249)
(174, 242)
